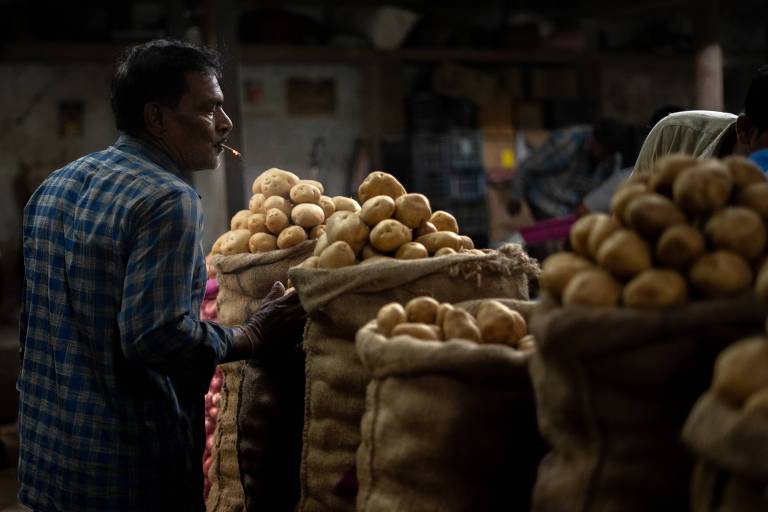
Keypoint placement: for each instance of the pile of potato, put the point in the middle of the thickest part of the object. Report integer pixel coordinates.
(427, 319)
(391, 223)
(690, 229)
(283, 211)
(740, 378)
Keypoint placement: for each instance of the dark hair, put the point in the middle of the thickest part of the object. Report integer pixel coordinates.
(756, 103)
(156, 71)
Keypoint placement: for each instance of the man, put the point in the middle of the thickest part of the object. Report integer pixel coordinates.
(554, 179)
(705, 134)
(115, 361)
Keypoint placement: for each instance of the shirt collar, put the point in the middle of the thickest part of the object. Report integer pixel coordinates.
(141, 148)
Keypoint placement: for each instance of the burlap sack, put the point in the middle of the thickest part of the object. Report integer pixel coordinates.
(613, 388)
(732, 452)
(245, 277)
(448, 426)
(226, 494)
(262, 412)
(340, 302)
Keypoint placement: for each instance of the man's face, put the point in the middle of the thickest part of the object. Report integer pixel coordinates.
(198, 125)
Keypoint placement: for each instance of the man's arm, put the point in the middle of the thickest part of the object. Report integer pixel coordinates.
(157, 327)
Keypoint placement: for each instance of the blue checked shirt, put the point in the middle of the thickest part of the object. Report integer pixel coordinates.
(556, 176)
(115, 361)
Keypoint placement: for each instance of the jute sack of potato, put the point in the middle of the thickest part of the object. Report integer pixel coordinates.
(339, 302)
(251, 440)
(613, 388)
(244, 278)
(448, 425)
(731, 446)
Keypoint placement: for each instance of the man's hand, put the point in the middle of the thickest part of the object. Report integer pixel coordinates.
(277, 326)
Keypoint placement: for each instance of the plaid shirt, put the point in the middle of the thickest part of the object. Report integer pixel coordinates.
(115, 362)
(556, 176)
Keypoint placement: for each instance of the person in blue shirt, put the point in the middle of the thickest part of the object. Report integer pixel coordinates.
(114, 359)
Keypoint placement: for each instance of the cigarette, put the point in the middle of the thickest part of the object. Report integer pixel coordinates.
(233, 151)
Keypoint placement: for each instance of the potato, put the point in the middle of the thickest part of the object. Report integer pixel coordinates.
(526, 343)
(319, 186)
(234, 242)
(741, 370)
(216, 248)
(558, 269)
(467, 242)
(276, 220)
(304, 192)
(322, 243)
(720, 274)
(349, 227)
(679, 246)
(500, 324)
(424, 228)
(307, 215)
(755, 197)
(744, 171)
(239, 220)
(257, 223)
(389, 234)
(413, 209)
(377, 209)
(444, 221)
(703, 188)
(602, 228)
(341, 203)
(369, 252)
(655, 289)
(460, 324)
(667, 169)
(256, 203)
(442, 309)
(757, 404)
(310, 262)
(290, 178)
(411, 251)
(592, 287)
(579, 234)
(737, 229)
(389, 316)
(316, 232)
(443, 251)
(422, 309)
(624, 253)
(336, 255)
(262, 242)
(435, 241)
(278, 202)
(652, 213)
(420, 331)
(377, 258)
(379, 183)
(276, 185)
(622, 197)
(328, 206)
(290, 236)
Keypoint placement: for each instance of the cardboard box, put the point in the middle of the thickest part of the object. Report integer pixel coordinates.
(499, 157)
(501, 223)
(529, 115)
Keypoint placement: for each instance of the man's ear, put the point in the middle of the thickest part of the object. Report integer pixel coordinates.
(154, 119)
(743, 129)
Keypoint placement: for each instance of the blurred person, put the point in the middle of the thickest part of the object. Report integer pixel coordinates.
(115, 362)
(599, 199)
(707, 134)
(555, 177)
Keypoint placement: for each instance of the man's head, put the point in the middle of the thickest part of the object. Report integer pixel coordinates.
(752, 125)
(168, 93)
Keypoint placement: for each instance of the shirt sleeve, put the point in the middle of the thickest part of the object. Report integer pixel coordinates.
(158, 328)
